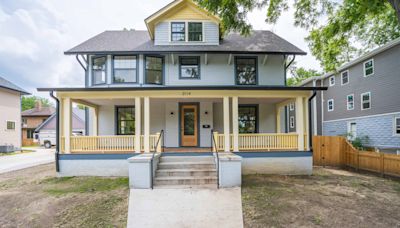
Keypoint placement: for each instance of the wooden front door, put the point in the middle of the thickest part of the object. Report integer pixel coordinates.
(189, 125)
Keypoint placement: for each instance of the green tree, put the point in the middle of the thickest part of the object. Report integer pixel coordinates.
(28, 102)
(333, 25)
(301, 74)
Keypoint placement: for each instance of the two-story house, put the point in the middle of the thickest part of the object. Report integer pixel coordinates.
(363, 99)
(185, 86)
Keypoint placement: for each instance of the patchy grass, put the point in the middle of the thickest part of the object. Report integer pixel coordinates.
(329, 198)
(34, 197)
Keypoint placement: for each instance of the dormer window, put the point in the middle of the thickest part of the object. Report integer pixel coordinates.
(178, 31)
(186, 31)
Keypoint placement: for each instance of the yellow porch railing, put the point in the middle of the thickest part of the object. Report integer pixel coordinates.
(260, 141)
(107, 144)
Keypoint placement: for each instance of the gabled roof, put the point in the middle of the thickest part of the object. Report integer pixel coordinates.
(43, 111)
(138, 41)
(11, 86)
(50, 123)
(175, 10)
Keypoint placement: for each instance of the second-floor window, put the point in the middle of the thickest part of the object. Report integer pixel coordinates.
(24, 121)
(178, 31)
(99, 70)
(345, 77)
(246, 70)
(154, 70)
(350, 102)
(124, 69)
(365, 101)
(195, 31)
(332, 81)
(369, 68)
(189, 67)
(331, 105)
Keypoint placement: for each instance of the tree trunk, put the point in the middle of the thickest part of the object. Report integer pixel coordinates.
(396, 6)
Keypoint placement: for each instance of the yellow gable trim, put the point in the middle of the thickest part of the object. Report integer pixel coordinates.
(179, 10)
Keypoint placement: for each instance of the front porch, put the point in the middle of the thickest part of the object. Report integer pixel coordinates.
(193, 120)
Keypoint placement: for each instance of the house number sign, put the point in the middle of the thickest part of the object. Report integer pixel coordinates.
(186, 93)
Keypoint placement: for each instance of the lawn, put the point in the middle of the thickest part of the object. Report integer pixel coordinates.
(34, 197)
(329, 198)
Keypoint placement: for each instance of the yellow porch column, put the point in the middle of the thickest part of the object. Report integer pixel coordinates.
(67, 124)
(146, 140)
(138, 126)
(300, 122)
(226, 125)
(96, 121)
(235, 123)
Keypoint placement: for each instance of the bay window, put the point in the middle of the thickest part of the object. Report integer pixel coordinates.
(124, 69)
(154, 70)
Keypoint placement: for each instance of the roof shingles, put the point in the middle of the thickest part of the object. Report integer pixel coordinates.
(11, 86)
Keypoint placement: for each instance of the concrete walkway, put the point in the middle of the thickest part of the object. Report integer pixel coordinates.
(21, 161)
(194, 208)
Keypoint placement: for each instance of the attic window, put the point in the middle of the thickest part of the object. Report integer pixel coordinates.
(178, 31)
(195, 31)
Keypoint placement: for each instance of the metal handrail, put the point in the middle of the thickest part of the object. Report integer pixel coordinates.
(216, 152)
(152, 156)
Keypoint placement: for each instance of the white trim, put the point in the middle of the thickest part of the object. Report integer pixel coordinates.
(333, 105)
(373, 67)
(341, 77)
(362, 102)
(347, 102)
(395, 126)
(330, 80)
(362, 117)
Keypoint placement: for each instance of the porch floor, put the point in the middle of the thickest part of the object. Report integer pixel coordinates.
(188, 149)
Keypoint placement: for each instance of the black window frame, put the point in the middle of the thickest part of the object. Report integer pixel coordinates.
(397, 126)
(105, 69)
(181, 64)
(256, 107)
(172, 31)
(162, 69)
(195, 32)
(117, 120)
(136, 69)
(255, 58)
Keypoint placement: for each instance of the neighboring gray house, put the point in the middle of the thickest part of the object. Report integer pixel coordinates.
(363, 98)
(10, 116)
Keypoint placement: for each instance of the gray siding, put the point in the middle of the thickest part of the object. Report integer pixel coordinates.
(210, 33)
(384, 86)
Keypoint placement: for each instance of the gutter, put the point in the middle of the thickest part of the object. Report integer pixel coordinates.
(310, 125)
(57, 131)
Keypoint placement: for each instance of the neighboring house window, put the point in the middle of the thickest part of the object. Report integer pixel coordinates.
(189, 67)
(331, 105)
(178, 31)
(24, 121)
(154, 70)
(125, 120)
(291, 107)
(248, 117)
(397, 125)
(332, 81)
(291, 121)
(350, 102)
(345, 77)
(246, 70)
(369, 68)
(99, 69)
(10, 125)
(366, 101)
(124, 69)
(29, 133)
(352, 131)
(195, 31)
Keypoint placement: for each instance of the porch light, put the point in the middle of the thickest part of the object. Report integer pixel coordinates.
(172, 113)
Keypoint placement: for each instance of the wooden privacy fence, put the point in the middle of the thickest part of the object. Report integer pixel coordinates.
(337, 151)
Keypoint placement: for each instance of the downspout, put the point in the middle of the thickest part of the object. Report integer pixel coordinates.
(57, 130)
(285, 78)
(310, 125)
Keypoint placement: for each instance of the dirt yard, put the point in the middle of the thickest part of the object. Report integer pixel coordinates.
(34, 197)
(329, 198)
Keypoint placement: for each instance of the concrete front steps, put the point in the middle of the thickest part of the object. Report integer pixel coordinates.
(186, 172)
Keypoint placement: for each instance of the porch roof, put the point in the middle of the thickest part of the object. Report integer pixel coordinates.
(166, 88)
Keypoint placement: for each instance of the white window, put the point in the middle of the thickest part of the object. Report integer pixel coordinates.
(291, 121)
(350, 102)
(10, 125)
(397, 126)
(345, 77)
(369, 68)
(351, 130)
(291, 107)
(366, 101)
(331, 105)
(332, 81)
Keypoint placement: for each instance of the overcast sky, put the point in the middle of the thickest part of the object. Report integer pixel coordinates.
(35, 33)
